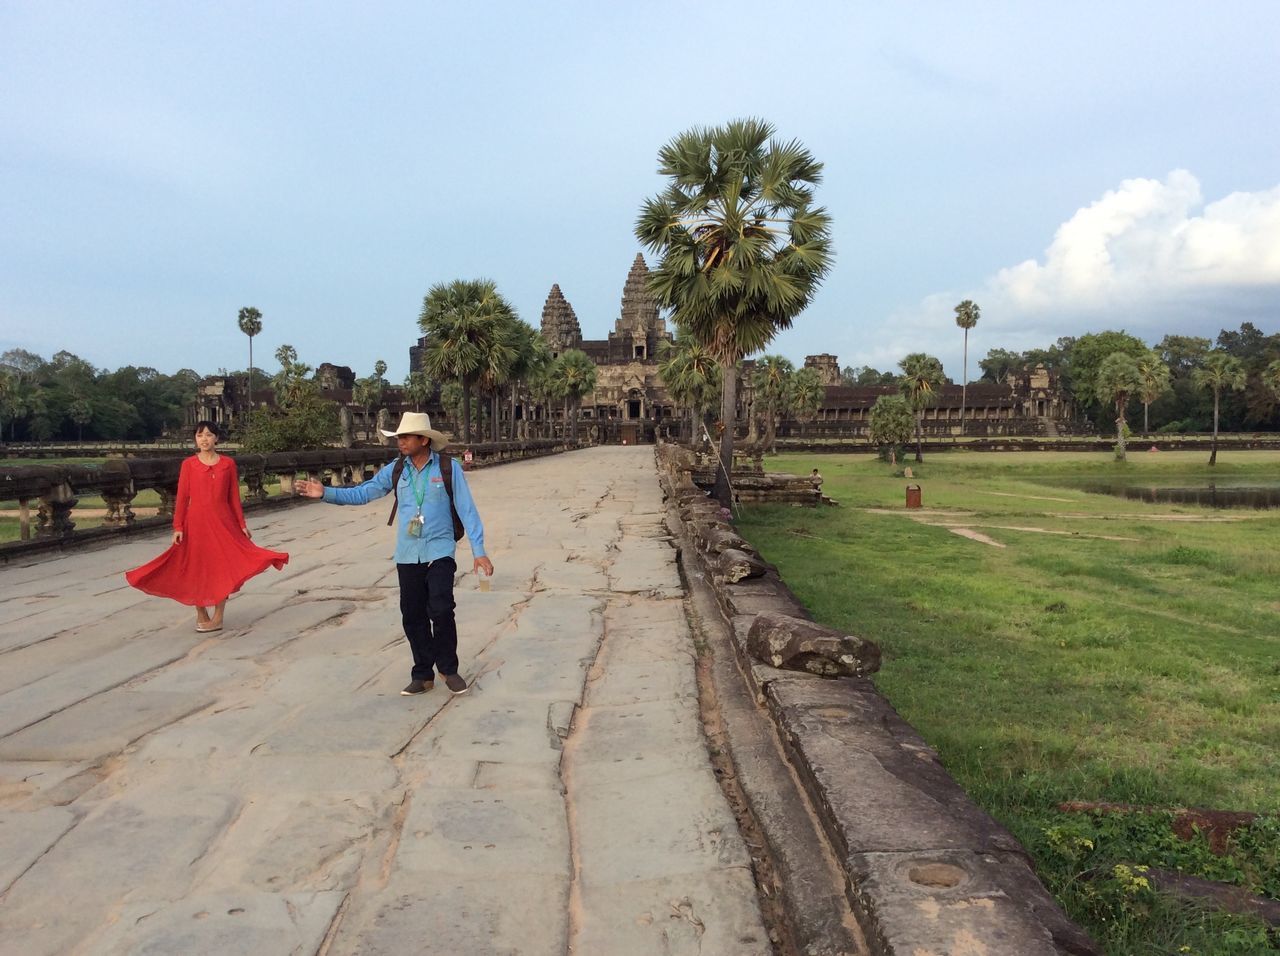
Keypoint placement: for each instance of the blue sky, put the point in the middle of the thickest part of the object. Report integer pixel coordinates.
(1071, 167)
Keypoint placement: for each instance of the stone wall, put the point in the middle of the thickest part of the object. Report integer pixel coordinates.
(47, 494)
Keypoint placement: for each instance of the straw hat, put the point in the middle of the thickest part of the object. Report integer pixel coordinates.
(419, 423)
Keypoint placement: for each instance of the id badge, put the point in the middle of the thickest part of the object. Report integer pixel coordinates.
(415, 526)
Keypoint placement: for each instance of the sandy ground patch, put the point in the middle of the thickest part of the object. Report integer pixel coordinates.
(975, 536)
(1007, 494)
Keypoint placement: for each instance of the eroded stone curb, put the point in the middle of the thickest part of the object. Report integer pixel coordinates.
(928, 872)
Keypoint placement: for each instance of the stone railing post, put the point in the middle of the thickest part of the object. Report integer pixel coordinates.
(55, 512)
(168, 492)
(119, 507)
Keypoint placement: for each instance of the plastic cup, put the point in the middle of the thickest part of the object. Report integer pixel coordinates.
(483, 580)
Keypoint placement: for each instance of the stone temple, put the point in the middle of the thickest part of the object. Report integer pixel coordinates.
(630, 402)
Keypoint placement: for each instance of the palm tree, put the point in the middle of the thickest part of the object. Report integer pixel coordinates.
(418, 388)
(1270, 377)
(1155, 382)
(742, 247)
(1220, 370)
(691, 376)
(1118, 378)
(250, 321)
(571, 376)
(531, 354)
(807, 394)
(967, 315)
(772, 382)
(500, 355)
(891, 423)
(921, 378)
(462, 320)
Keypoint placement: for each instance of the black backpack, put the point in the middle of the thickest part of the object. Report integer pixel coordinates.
(446, 472)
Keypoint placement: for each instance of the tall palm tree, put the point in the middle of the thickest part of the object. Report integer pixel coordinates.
(806, 395)
(1221, 370)
(571, 376)
(501, 351)
(250, 321)
(691, 376)
(1118, 378)
(742, 247)
(772, 381)
(921, 379)
(967, 315)
(1155, 382)
(463, 321)
(530, 356)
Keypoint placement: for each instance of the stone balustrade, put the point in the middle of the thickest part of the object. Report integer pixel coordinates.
(52, 491)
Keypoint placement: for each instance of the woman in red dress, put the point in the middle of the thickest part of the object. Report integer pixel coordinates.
(212, 554)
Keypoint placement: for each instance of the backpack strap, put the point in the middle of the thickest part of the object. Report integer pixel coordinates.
(446, 472)
(395, 488)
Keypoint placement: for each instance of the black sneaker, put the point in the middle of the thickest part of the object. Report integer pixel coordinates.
(418, 687)
(455, 683)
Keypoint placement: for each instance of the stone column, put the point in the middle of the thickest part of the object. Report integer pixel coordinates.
(168, 493)
(55, 513)
(119, 507)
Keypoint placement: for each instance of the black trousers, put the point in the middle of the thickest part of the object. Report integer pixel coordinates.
(426, 610)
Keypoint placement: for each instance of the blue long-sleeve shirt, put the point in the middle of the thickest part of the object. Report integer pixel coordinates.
(436, 540)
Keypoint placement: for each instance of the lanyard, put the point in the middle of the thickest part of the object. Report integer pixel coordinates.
(419, 494)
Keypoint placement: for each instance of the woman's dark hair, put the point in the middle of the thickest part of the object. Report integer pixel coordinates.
(201, 426)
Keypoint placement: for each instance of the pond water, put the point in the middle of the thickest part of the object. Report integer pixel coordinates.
(1208, 495)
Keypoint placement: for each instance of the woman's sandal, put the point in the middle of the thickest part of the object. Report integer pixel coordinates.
(207, 628)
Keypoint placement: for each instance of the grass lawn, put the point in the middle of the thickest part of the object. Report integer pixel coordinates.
(1111, 650)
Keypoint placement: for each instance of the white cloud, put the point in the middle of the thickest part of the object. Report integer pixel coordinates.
(1150, 257)
(1146, 240)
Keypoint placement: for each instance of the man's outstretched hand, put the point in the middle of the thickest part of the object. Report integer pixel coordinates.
(308, 488)
(483, 564)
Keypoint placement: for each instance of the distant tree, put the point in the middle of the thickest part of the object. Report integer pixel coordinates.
(891, 423)
(1087, 356)
(999, 364)
(691, 376)
(967, 315)
(302, 419)
(452, 398)
(463, 321)
(81, 413)
(922, 376)
(572, 376)
(807, 394)
(250, 322)
(418, 388)
(771, 379)
(742, 246)
(1221, 371)
(1271, 377)
(866, 375)
(1116, 380)
(1154, 375)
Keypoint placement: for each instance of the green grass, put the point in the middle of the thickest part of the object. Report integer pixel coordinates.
(1130, 659)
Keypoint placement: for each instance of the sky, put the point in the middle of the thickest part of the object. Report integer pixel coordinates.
(1070, 167)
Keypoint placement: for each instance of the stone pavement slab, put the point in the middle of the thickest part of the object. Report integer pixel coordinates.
(266, 789)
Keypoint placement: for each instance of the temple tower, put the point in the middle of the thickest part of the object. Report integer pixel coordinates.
(827, 367)
(639, 328)
(560, 326)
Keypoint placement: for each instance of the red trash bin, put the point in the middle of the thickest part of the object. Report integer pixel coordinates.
(913, 496)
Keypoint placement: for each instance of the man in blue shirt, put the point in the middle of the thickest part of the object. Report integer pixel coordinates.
(425, 544)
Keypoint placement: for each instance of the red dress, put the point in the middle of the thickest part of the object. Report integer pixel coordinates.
(214, 557)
